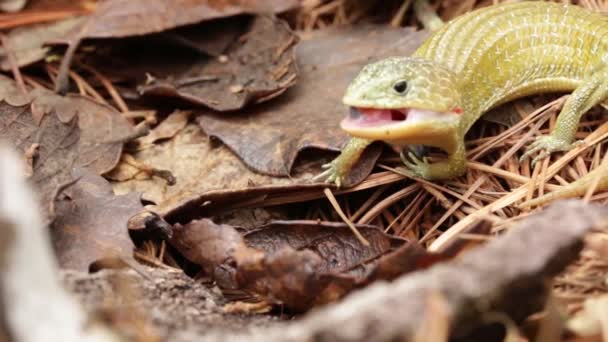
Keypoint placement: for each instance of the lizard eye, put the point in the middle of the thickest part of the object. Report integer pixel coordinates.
(400, 87)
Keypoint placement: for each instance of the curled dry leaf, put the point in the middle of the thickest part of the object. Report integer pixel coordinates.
(296, 263)
(205, 172)
(68, 132)
(91, 222)
(167, 129)
(119, 18)
(211, 38)
(27, 43)
(507, 275)
(269, 137)
(259, 66)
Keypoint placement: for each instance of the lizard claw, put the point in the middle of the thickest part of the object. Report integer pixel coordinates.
(416, 167)
(331, 174)
(325, 167)
(545, 145)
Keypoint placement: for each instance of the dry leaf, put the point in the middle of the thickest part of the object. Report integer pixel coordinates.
(119, 18)
(507, 275)
(70, 131)
(300, 264)
(27, 43)
(259, 66)
(167, 129)
(91, 222)
(269, 137)
(211, 172)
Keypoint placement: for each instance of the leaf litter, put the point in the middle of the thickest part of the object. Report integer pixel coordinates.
(419, 212)
(257, 67)
(91, 222)
(117, 18)
(60, 133)
(299, 264)
(268, 138)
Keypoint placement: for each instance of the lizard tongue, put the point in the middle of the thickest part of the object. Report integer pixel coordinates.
(373, 117)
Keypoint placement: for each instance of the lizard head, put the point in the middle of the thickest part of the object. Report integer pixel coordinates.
(403, 100)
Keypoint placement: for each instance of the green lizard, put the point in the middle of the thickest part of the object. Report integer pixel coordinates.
(474, 63)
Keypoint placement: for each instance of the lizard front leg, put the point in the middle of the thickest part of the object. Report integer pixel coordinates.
(592, 92)
(455, 165)
(339, 168)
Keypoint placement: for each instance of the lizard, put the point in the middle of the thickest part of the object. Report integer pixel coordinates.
(472, 64)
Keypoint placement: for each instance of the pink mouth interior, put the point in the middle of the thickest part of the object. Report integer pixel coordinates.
(369, 117)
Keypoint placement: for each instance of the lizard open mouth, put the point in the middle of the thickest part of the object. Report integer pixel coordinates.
(373, 117)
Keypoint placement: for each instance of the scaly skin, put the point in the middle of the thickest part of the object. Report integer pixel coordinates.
(474, 63)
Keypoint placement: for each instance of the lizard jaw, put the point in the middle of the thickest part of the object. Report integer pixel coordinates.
(409, 125)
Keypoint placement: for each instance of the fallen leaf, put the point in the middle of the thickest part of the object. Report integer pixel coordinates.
(91, 222)
(296, 263)
(167, 129)
(269, 137)
(211, 38)
(205, 171)
(119, 18)
(46, 11)
(259, 66)
(70, 131)
(12, 5)
(508, 275)
(27, 43)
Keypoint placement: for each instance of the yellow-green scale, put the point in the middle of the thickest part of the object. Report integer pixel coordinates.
(516, 50)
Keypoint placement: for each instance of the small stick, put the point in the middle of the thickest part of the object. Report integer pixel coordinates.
(13, 63)
(334, 203)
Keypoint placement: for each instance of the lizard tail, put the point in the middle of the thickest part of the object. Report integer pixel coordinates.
(574, 189)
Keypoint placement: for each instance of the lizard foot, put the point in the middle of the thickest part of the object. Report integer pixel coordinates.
(545, 145)
(332, 174)
(416, 167)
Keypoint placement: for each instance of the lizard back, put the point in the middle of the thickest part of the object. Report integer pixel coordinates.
(517, 49)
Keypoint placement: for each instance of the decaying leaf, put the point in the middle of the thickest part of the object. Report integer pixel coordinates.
(119, 18)
(211, 38)
(12, 5)
(206, 171)
(91, 222)
(258, 66)
(507, 275)
(167, 129)
(46, 11)
(296, 263)
(269, 137)
(68, 131)
(27, 43)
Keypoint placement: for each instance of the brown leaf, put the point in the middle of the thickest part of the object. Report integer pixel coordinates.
(269, 137)
(27, 43)
(213, 247)
(297, 263)
(259, 66)
(168, 128)
(335, 244)
(70, 131)
(119, 18)
(211, 38)
(509, 275)
(205, 171)
(45, 11)
(91, 222)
